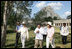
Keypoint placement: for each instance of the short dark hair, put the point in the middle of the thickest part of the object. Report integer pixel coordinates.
(64, 23)
(17, 22)
(39, 24)
(43, 24)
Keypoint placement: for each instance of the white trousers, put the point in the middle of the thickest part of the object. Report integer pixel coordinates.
(49, 42)
(23, 41)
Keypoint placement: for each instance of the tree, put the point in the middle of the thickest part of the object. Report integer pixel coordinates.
(54, 18)
(2, 11)
(23, 8)
(39, 17)
(9, 16)
(69, 17)
(3, 34)
(48, 19)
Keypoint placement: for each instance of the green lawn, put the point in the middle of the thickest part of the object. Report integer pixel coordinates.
(11, 36)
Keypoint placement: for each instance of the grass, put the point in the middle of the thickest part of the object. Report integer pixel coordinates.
(11, 36)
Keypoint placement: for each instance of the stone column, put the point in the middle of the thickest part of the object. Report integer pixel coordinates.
(68, 24)
(62, 24)
(58, 24)
(55, 24)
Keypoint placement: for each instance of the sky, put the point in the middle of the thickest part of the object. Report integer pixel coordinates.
(62, 8)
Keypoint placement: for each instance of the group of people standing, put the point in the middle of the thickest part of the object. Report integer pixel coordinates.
(41, 32)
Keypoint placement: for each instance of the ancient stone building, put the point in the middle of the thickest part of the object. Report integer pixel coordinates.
(59, 23)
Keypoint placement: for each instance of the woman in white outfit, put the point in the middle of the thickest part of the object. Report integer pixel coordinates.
(50, 33)
(24, 34)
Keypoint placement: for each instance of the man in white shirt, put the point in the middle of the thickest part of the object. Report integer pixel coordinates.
(50, 34)
(64, 32)
(39, 37)
(24, 34)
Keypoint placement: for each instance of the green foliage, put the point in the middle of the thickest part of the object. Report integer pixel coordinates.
(23, 7)
(54, 18)
(2, 11)
(48, 19)
(69, 17)
(32, 27)
(10, 40)
(39, 17)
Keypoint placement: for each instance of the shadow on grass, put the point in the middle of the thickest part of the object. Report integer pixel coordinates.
(10, 31)
(68, 41)
(30, 43)
(10, 45)
(57, 47)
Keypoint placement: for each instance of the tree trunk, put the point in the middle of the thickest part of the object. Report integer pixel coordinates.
(4, 27)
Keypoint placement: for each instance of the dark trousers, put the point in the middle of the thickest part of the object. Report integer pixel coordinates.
(17, 38)
(44, 37)
(64, 39)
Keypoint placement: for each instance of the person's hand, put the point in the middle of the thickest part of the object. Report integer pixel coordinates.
(15, 30)
(27, 39)
(51, 39)
(38, 31)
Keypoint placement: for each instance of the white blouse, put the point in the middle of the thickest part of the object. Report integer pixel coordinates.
(64, 31)
(40, 34)
(50, 32)
(24, 31)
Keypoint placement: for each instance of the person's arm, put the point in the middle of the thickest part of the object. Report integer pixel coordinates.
(61, 31)
(36, 30)
(52, 34)
(67, 31)
(16, 28)
(42, 31)
(19, 30)
(46, 31)
(27, 34)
